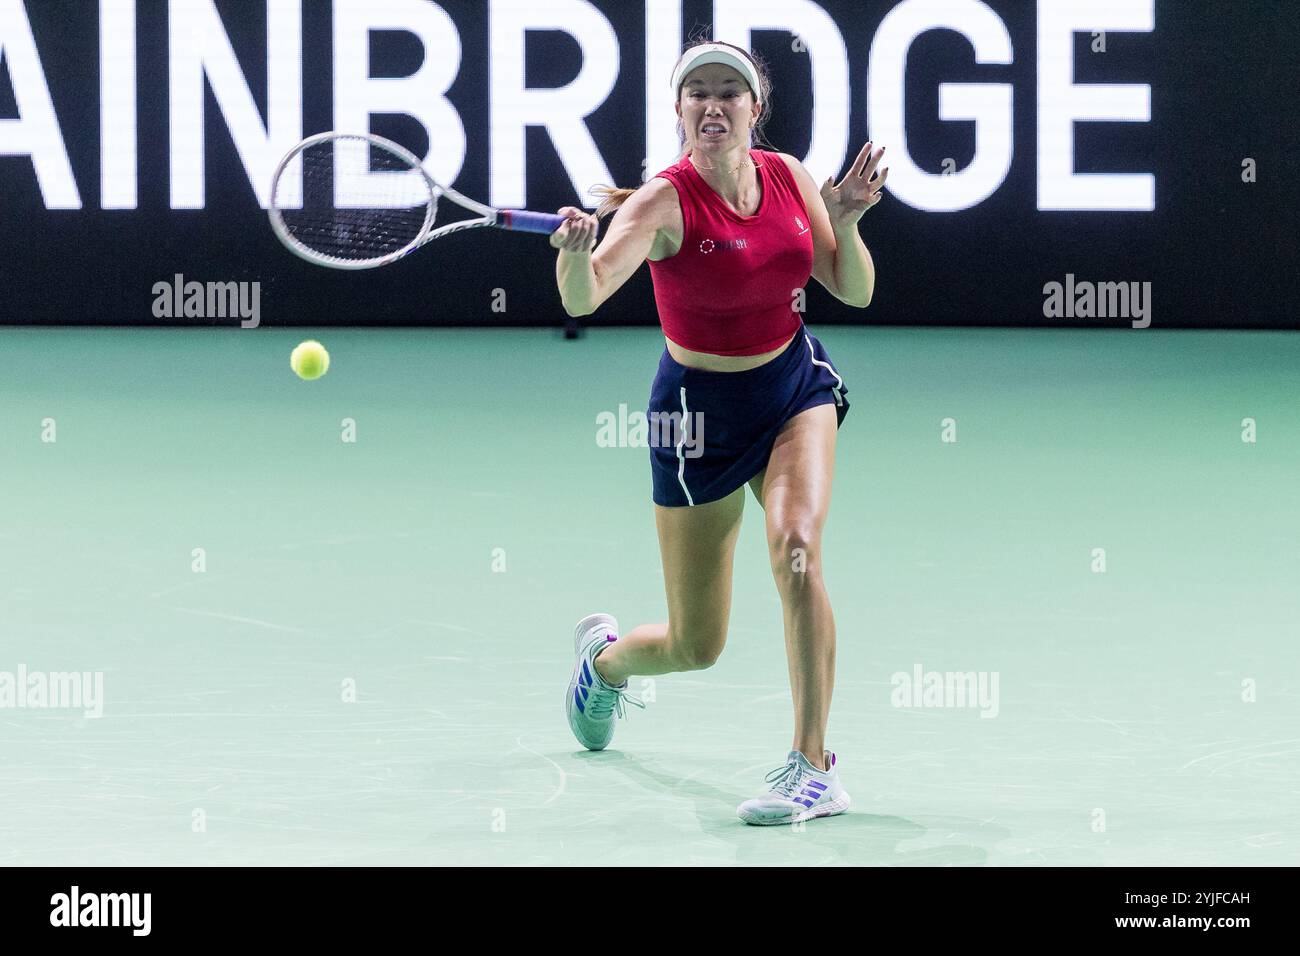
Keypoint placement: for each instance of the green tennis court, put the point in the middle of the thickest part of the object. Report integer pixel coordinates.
(434, 567)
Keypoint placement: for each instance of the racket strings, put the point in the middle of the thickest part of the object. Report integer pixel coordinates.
(353, 200)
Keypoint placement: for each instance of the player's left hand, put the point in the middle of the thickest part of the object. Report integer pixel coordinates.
(857, 191)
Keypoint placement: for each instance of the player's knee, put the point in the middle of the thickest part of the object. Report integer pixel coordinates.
(698, 657)
(696, 652)
(795, 549)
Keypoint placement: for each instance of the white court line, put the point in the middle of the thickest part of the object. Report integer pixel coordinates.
(238, 619)
(1276, 753)
(783, 695)
(450, 627)
(563, 776)
(1096, 719)
(1237, 750)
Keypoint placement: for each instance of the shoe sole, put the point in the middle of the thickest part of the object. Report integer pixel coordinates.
(582, 627)
(830, 808)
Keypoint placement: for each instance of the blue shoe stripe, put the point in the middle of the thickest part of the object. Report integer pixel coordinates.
(585, 692)
(815, 785)
(586, 674)
(577, 699)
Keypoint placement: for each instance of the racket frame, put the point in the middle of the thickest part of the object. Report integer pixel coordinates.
(487, 215)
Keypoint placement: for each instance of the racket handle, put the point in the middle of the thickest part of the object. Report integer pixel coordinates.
(521, 220)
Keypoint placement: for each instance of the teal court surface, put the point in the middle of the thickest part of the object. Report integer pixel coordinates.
(321, 651)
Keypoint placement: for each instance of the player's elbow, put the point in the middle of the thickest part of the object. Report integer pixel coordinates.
(857, 302)
(576, 311)
(575, 308)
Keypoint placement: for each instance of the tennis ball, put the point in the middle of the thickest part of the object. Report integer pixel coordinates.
(310, 360)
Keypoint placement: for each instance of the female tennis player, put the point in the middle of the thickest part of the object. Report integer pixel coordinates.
(732, 234)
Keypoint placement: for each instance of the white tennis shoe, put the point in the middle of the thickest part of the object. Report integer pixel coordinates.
(799, 792)
(590, 702)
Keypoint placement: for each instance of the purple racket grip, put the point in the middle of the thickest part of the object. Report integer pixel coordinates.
(521, 220)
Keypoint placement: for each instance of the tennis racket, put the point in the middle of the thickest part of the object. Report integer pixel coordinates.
(357, 201)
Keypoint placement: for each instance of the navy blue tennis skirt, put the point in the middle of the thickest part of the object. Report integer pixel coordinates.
(711, 432)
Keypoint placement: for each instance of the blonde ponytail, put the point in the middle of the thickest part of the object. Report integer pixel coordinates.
(612, 198)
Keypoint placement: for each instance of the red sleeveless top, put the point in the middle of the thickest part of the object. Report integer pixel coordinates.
(730, 288)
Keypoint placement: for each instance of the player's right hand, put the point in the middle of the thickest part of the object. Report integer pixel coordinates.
(578, 234)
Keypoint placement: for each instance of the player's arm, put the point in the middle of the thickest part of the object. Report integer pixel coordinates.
(587, 276)
(841, 261)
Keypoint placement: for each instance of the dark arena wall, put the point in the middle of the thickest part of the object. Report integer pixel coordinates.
(1065, 162)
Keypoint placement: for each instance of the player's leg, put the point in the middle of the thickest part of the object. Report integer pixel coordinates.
(697, 545)
(795, 492)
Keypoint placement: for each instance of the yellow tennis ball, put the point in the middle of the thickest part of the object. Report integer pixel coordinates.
(310, 360)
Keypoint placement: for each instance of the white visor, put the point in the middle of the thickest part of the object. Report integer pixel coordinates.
(714, 53)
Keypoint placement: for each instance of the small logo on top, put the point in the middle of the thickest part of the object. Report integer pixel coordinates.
(708, 245)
